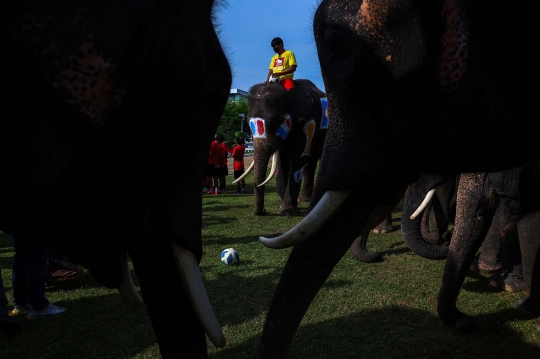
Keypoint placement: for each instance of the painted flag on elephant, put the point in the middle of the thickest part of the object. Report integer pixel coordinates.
(285, 127)
(257, 127)
(324, 119)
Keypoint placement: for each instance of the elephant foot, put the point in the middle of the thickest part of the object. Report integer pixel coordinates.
(509, 282)
(290, 212)
(260, 213)
(304, 198)
(382, 230)
(488, 267)
(527, 309)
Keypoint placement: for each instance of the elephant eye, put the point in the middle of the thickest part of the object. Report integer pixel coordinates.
(338, 50)
(339, 45)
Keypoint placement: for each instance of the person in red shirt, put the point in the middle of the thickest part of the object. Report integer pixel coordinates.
(224, 154)
(238, 165)
(212, 167)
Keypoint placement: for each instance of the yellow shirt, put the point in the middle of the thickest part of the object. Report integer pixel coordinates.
(282, 62)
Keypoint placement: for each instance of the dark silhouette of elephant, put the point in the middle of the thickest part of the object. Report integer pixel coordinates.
(425, 231)
(95, 93)
(289, 126)
(408, 83)
(517, 194)
(427, 234)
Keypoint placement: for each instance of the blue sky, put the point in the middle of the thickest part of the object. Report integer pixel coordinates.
(246, 28)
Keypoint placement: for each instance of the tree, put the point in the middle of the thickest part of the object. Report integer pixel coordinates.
(230, 122)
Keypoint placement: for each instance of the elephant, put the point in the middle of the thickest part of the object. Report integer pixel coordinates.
(289, 126)
(90, 147)
(434, 243)
(408, 83)
(426, 235)
(515, 192)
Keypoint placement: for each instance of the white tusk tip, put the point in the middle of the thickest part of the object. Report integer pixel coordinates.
(220, 341)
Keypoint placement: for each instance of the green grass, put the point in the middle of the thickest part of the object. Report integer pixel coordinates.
(381, 310)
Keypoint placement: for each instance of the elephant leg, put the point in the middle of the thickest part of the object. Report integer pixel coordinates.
(529, 236)
(282, 175)
(308, 182)
(473, 218)
(488, 260)
(360, 252)
(510, 275)
(289, 201)
(384, 227)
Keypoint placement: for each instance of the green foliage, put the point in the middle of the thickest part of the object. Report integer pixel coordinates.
(230, 122)
(384, 310)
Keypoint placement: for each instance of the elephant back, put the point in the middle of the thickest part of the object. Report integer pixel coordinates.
(306, 100)
(308, 84)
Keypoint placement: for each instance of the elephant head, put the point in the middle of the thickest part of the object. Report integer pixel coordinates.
(428, 210)
(413, 88)
(91, 152)
(289, 127)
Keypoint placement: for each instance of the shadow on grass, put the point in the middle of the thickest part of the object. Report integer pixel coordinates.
(396, 332)
(116, 331)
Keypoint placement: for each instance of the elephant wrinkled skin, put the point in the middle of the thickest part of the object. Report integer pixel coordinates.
(408, 83)
(90, 151)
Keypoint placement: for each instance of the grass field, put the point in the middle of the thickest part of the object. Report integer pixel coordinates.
(382, 310)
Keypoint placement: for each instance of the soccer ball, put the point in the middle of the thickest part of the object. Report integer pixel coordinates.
(230, 256)
(274, 79)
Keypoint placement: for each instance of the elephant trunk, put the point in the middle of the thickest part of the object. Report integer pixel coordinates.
(474, 215)
(412, 228)
(261, 157)
(312, 260)
(309, 265)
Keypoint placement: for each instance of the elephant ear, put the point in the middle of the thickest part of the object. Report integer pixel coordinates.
(302, 102)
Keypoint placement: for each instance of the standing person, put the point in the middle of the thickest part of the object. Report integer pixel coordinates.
(30, 265)
(238, 165)
(212, 169)
(7, 324)
(224, 154)
(282, 64)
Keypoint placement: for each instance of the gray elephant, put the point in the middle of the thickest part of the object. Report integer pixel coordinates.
(90, 148)
(425, 231)
(289, 126)
(516, 192)
(424, 224)
(409, 83)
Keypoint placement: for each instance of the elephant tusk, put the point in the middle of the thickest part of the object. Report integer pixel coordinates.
(248, 171)
(188, 269)
(127, 288)
(424, 203)
(330, 202)
(275, 159)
